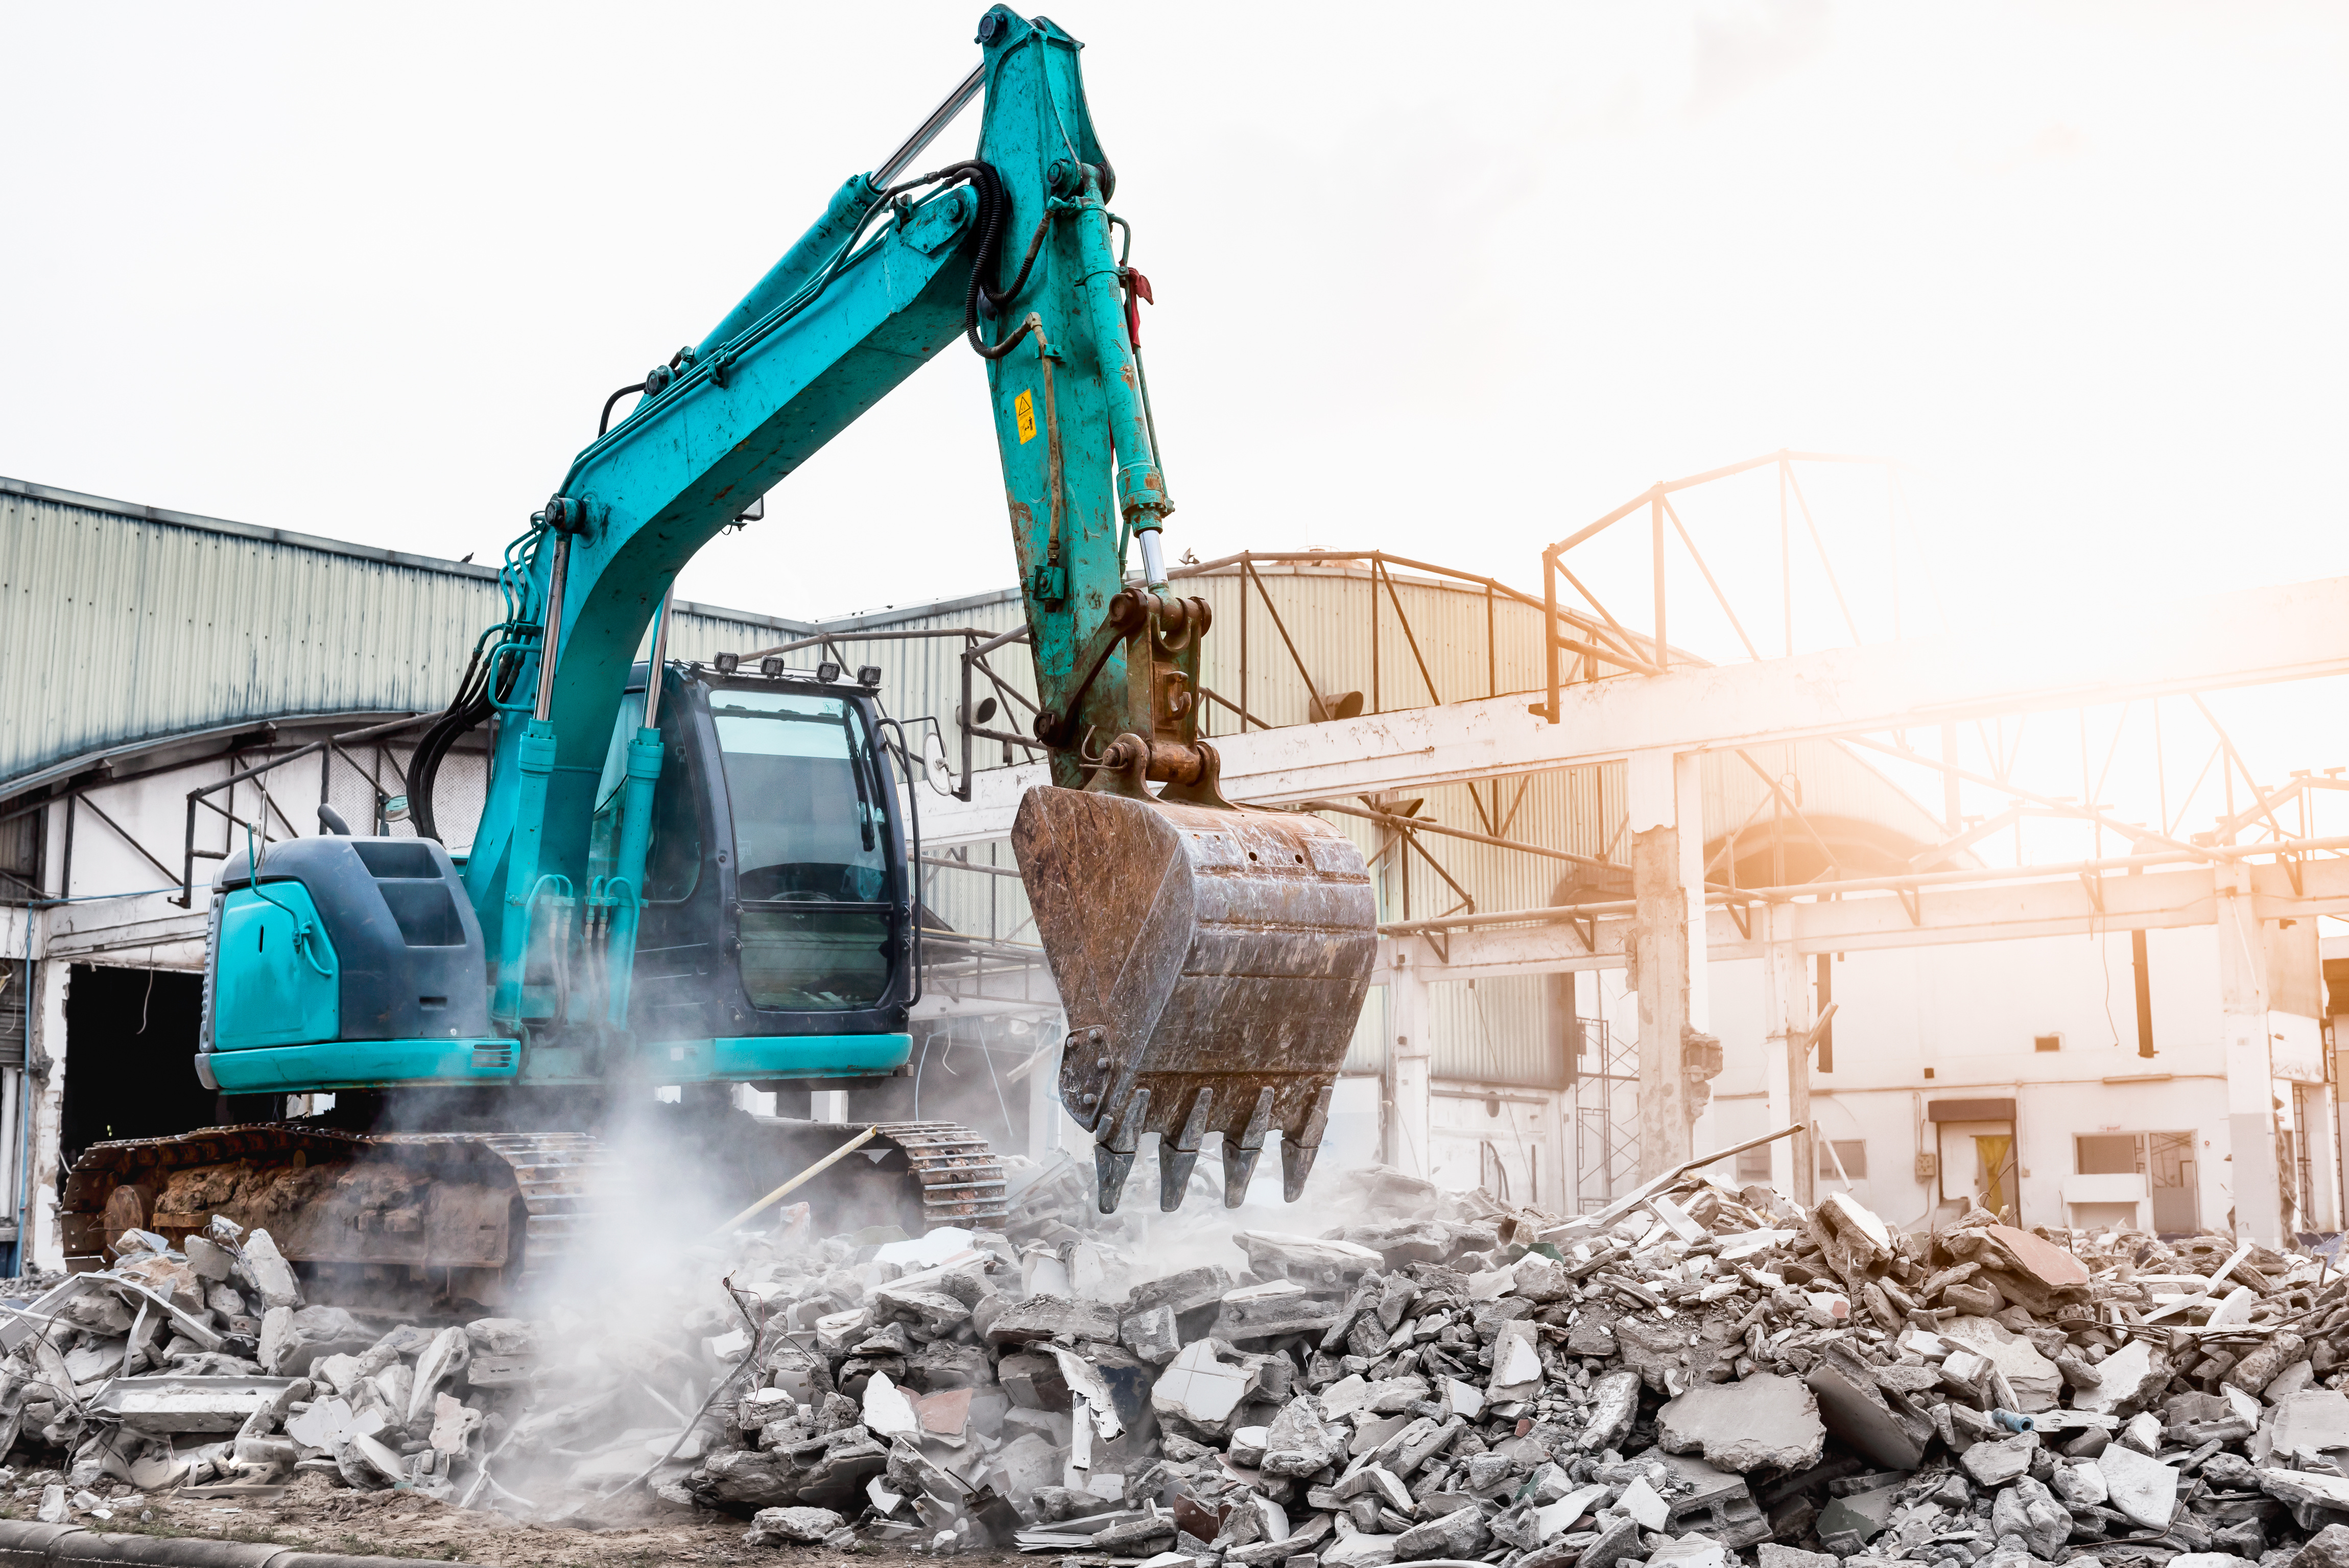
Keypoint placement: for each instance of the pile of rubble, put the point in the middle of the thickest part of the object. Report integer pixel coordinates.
(1697, 1373)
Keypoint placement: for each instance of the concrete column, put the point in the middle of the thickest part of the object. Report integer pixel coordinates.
(2244, 1030)
(1785, 1056)
(46, 1057)
(1408, 1134)
(2295, 1000)
(2323, 1176)
(1666, 806)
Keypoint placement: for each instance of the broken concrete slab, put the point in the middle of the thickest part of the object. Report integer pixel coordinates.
(1199, 1387)
(1043, 1317)
(2139, 1487)
(271, 1272)
(1994, 1464)
(2034, 1378)
(1763, 1421)
(1516, 1362)
(2128, 1380)
(168, 1403)
(1642, 1502)
(1458, 1535)
(1856, 1407)
(1614, 1402)
(1274, 1308)
(1851, 1521)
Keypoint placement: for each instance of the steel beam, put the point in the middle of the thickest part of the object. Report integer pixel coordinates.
(2292, 633)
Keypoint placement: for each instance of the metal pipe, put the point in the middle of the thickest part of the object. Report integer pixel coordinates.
(550, 636)
(660, 657)
(932, 125)
(1153, 558)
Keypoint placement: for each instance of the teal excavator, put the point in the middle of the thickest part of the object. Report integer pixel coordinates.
(696, 874)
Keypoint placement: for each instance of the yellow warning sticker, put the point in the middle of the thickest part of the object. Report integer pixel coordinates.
(1023, 409)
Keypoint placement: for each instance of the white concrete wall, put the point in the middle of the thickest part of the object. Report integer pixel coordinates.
(1967, 1016)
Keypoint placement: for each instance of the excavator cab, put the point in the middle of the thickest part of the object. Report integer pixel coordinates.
(777, 914)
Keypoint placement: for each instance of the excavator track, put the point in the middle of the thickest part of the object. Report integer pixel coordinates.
(961, 1177)
(487, 1216)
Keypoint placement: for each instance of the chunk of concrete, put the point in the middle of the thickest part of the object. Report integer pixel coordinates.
(2127, 1380)
(2082, 1485)
(1773, 1555)
(1994, 1464)
(1458, 1535)
(1202, 1388)
(305, 1334)
(2315, 1420)
(1042, 1318)
(1710, 1503)
(1299, 1443)
(1688, 1552)
(1311, 1259)
(1150, 1334)
(271, 1272)
(1855, 1407)
(1361, 1550)
(2036, 1381)
(2328, 1548)
(1614, 1402)
(170, 1403)
(1764, 1421)
(1274, 1308)
(1850, 1522)
(1642, 1502)
(2042, 1260)
(808, 1526)
(1460, 1398)
(888, 1413)
(210, 1260)
(1618, 1541)
(1346, 1395)
(1516, 1362)
(436, 1366)
(1186, 1290)
(2138, 1486)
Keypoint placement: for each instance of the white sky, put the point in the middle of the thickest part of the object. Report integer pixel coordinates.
(1449, 281)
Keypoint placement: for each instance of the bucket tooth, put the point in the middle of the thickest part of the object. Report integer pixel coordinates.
(1240, 1156)
(1175, 1168)
(1178, 1154)
(1296, 1154)
(1110, 1168)
(1113, 1156)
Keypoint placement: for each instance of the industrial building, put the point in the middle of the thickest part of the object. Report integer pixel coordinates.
(2136, 1042)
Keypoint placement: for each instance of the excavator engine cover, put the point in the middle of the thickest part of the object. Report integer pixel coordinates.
(1212, 963)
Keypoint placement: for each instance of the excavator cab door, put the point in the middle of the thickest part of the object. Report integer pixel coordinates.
(778, 900)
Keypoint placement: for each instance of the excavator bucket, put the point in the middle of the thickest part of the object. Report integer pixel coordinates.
(1212, 963)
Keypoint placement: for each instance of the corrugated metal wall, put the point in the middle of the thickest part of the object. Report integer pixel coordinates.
(122, 624)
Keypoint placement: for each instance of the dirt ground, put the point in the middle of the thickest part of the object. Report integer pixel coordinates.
(317, 1516)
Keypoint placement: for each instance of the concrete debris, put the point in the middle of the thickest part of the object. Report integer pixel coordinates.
(1711, 1375)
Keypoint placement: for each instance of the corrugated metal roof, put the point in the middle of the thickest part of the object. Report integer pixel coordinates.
(124, 625)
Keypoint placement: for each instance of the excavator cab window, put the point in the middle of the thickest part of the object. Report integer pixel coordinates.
(812, 846)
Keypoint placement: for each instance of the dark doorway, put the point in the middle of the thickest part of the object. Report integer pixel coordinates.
(130, 1048)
